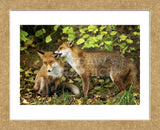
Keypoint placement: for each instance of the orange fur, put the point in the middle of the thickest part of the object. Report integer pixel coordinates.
(88, 64)
(48, 72)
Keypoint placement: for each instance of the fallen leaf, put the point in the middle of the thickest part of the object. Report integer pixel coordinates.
(25, 101)
(101, 80)
(72, 70)
(71, 81)
(35, 72)
(36, 62)
(77, 79)
(63, 78)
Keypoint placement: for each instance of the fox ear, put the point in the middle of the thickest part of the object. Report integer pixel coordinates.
(56, 56)
(70, 44)
(40, 53)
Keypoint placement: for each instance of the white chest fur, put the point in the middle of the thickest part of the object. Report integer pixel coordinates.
(57, 72)
(73, 62)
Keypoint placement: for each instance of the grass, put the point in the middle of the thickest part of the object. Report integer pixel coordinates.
(128, 97)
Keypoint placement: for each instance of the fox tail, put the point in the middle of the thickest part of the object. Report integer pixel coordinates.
(134, 77)
(74, 89)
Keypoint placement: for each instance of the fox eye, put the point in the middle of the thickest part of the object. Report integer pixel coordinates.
(45, 62)
(50, 62)
(60, 48)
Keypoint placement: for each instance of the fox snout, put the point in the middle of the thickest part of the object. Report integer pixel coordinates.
(62, 53)
(57, 52)
(49, 68)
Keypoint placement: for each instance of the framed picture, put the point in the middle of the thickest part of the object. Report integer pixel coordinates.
(19, 104)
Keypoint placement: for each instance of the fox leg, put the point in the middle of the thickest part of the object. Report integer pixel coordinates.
(49, 90)
(119, 84)
(57, 82)
(85, 82)
(37, 85)
(46, 85)
(118, 81)
(42, 85)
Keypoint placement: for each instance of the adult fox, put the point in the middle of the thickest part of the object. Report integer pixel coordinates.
(51, 72)
(122, 71)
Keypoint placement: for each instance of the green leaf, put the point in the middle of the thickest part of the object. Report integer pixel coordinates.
(92, 40)
(96, 45)
(63, 78)
(23, 38)
(102, 27)
(71, 36)
(108, 42)
(23, 35)
(80, 41)
(113, 33)
(71, 81)
(35, 72)
(96, 30)
(108, 47)
(22, 32)
(92, 28)
(122, 45)
(36, 62)
(29, 42)
(124, 50)
(38, 33)
(101, 80)
(70, 30)
(27, 72)
(56, 27)
(99, 37)
(132, 48)
(77, 79)
(72, 70)
(129, 41)
(137, 42)
(21, 48)
(27, 52)
(112, 27)
(85, 36)
(21, 70)
(101, 44)
(139, 27)
(122, 37)
(107, 80)
(43, 30)
(48, 39)
(135, 33)
(82, 30)
(104, 32)
(65, 30)
(32, 45)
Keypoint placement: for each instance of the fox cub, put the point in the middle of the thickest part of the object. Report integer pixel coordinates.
(122, 71)
(51, 72)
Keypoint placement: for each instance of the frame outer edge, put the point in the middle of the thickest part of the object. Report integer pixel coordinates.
(4, 65)
(155, 64)
(4, 84)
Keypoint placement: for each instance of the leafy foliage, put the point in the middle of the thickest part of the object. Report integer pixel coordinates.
(90, 36)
